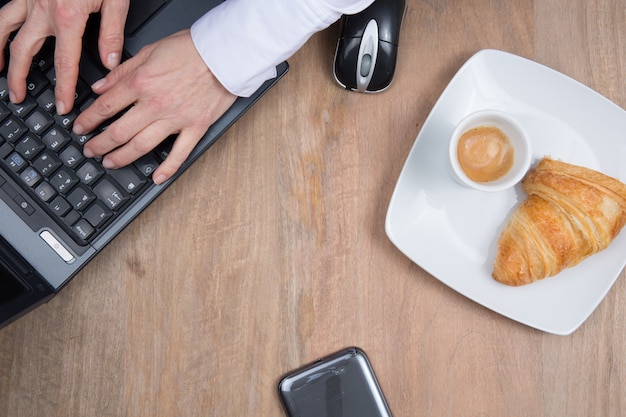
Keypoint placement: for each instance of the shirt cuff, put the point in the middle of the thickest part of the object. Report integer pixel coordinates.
(242, 41)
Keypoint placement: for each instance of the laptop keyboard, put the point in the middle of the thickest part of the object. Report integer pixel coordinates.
(40, 151)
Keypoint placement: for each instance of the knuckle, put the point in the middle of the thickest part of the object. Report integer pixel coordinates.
(116, 134)
(142, 144)
(17, 46)
(65, 16)
(104, 108)
(63, 64)
(112, 38)
(138, 81)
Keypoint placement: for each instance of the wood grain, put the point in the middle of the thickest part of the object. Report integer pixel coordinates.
(271, 252)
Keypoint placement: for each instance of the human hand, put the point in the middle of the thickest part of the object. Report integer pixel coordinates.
(66, 20)
(168, 90)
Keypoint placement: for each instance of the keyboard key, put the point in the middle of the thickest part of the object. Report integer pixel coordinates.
(80, 197)
(35, 82)
(5, 149)
(71, 156)
(110, 194)
(90, 172)
(45, 57)
(71, 217)
(164, 148)
(97, 214)
(51, 75)
(4, 88)
(29, 146)
(60, 206)
(63, 180)
(16, 162)
(30, 177)
(87, 103)
(4, 111)
(45, 192)
(38, 121)
(23, 108)
(24, 205)
(147, 164)
(66, 120)
(55, 138)
(12, 129)
(128, 178)
(83, 90)
(81, 139)
(46, 163)
(83, 230)
(47, 100)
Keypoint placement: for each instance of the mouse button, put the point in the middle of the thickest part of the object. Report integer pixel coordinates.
(385, 67)
(346, 59)
(347, 53)
(388, 34)
(353, 26)
(389, 17)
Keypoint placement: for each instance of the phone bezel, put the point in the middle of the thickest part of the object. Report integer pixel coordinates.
(351, 355)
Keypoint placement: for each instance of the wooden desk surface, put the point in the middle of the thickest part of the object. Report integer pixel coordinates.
(271, 252)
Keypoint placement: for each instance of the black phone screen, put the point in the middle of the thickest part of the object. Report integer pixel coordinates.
(341, 385)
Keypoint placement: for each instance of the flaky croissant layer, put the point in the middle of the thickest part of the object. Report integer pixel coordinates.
(571, 213)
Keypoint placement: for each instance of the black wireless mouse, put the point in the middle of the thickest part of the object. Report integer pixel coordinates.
(367, 50)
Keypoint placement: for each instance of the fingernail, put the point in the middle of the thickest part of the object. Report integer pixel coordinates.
(88, 153)
(159, 179)
(113, 59)
(61, 109)
(12, 96)
(108, 164)
(78, 129)
(98, 84)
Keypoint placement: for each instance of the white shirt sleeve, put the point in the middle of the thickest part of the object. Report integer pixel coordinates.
(242, 41)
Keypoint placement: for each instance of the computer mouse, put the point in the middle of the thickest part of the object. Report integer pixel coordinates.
(367, 50)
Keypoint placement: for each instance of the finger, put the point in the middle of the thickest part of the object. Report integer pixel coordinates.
(111, 38)
(116, 75)
(121, 131)
(12, 16)
(66, 60)
(184, 144)
(104, 108)
(142, 143)
(23, 48)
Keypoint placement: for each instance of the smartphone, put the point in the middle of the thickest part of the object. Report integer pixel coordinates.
(340, 385)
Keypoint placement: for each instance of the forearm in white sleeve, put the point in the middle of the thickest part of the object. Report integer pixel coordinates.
(242, 41)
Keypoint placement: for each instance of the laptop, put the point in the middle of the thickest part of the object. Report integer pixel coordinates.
(57, 209)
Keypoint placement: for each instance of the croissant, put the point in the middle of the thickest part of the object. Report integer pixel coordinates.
(570, 214)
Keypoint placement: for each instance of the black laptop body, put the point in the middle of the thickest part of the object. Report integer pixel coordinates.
(39, 253)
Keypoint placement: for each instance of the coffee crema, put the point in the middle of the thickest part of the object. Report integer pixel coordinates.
(485, 153)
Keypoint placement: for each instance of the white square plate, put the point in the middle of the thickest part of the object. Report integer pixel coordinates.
(452, 231)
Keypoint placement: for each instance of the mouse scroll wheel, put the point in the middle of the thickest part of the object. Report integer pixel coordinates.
(366, 65)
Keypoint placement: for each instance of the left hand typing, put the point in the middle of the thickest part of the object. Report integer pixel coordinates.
(169, 90)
